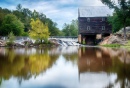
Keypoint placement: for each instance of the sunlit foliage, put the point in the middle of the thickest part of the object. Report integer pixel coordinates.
(39, 31)
(24, 15)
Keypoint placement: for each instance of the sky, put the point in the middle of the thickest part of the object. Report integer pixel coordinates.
(60, 11)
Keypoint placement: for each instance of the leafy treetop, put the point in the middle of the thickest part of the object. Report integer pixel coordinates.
(39, 31)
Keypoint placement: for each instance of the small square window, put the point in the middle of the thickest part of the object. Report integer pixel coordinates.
(103, 19)
(88, 19)
(88, 28)
(103, 27)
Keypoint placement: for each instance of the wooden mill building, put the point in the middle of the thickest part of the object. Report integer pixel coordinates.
(93, 23)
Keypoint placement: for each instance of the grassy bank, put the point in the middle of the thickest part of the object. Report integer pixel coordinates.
(127, 45)
(112, 45)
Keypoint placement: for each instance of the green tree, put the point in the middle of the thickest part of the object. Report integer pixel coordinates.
(116, 24)
(71, 29)
(122, 11)
(74, 27)
(66, 30)
(11, 24)
(11, 38)
(35, 15)
(24, 15)
(54, 31)
(39, 30)
(3, 12)
(19, 7)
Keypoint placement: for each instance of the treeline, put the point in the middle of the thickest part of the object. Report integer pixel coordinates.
(71, 29)
(18, 22)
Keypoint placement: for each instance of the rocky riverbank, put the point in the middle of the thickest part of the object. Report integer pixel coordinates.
(27, 43)
(117, 38)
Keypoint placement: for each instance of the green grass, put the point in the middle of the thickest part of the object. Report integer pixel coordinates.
(111, 45)
(127, 45)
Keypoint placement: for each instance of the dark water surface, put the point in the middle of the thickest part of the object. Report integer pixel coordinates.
(64, 67)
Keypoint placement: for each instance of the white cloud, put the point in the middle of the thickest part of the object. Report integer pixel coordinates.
(11, 7)
(90, 3)
(55, 11)
(66, 1)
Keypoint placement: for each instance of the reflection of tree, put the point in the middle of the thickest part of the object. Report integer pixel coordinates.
(10, 64)
(24, 66)
(71, 57)
(121, 67)
(123, 73)
(0, 81)
(39, 62)
(107, 60)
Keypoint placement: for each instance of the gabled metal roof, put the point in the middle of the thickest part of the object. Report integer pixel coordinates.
(94, 11)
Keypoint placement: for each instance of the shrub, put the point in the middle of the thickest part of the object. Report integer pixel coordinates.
(11, 39)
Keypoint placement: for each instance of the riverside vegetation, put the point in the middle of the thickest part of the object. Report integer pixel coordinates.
(18, 21)
(119, 20)
(33, 24)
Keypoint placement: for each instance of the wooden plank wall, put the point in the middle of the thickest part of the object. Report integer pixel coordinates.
(95, 24)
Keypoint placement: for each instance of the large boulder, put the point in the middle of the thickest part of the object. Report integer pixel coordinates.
(2, 43)
(121, 32)
(113, 39)
(118, 37)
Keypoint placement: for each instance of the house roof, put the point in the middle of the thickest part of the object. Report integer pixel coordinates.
(94, 11)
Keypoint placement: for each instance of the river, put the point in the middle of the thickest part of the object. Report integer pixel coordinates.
(64, 67)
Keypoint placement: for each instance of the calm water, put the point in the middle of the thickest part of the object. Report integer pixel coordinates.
(64, 67)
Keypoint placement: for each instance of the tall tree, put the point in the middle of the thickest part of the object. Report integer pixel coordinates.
(66, 30)
(39, 30)
(114, 21)
(3, 13)
(71, 29)
(122, 10)
(19, 7)
(24, 15)
(11, 24)
(54, 31)
(74, 27)
(35, 15)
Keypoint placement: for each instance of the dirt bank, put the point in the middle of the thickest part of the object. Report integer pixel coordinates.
(117, 38)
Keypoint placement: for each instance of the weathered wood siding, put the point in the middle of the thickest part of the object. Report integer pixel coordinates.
(95, 24)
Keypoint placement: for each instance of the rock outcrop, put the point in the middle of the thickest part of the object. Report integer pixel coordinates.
(118, 37)
(113, 39)
(2, 43)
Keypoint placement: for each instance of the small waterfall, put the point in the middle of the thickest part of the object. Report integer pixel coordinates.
(67, 43)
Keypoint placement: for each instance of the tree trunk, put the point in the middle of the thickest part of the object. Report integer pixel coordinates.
(41, 41)
(124, 31)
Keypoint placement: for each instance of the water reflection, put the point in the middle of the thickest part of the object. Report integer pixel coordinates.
(64, 67)
(18, 64)
(93, 60)
(104, 67)
(24, 64)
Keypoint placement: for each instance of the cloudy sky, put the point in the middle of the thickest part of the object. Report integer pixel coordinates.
(60, 11)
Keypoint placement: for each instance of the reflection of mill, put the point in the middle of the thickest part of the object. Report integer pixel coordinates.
(98, 65)
(93, 60)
